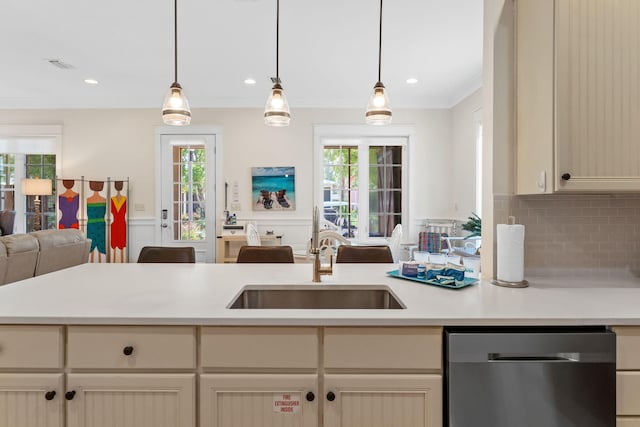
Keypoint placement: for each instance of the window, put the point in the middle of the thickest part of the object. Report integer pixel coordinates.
(478, 123)
(7, 182)
(29, 152)
(189, 192)
(344, 175)
(362, 182)
(41, 166)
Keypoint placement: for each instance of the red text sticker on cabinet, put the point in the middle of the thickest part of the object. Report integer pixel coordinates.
(286, 403)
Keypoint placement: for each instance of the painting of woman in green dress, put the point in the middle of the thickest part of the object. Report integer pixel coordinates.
(96, 229)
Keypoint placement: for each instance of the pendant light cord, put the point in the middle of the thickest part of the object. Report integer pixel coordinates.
(278, 40)
(175, 40)
(380, 44)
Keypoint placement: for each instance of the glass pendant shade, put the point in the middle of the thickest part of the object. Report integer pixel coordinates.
(175, 109)
(276, 112)
(378, 109)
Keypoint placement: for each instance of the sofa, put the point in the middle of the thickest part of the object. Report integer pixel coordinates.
(27, 255)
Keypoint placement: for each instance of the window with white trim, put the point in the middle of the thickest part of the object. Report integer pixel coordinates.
(362, 181)
(29, 152)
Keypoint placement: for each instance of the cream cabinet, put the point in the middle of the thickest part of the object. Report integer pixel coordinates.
(627, 376)
(31, 376)
(330, 377)
(128, 376)
(219, 376)
(237, 400)
(577, 96)
(141, 400)
(28, 400)
(382, 400)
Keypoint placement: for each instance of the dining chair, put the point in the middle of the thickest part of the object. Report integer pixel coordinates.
(162, 254)
(253, 238)
(328, 242)
(363, 254)
(265, 254)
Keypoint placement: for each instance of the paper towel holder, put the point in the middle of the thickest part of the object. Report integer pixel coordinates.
(522, 284)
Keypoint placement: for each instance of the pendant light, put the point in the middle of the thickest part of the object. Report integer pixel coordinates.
(175, 109)
(276, 112)
(378, 109)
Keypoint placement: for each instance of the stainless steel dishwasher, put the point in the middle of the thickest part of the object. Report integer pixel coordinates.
(530, 377)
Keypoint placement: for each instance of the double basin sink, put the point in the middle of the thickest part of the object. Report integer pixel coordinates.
(347, 297)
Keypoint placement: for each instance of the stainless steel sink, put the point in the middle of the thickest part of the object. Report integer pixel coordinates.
(364, 297)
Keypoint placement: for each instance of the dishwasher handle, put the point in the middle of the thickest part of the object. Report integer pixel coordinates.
(533, 357)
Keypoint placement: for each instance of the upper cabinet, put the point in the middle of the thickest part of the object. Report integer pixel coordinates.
(578, 95)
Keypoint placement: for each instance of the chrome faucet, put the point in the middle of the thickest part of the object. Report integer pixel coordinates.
(318, 269)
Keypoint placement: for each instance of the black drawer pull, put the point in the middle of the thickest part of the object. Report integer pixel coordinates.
(50, 395)
(70, 395)
(128, 350)
(310, 396)
(566, 176)
(331, 396)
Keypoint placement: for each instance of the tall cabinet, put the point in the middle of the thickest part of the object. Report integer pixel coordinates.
(578, 95)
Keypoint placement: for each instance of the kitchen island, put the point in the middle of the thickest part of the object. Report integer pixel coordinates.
(155, 344)
(198, 294)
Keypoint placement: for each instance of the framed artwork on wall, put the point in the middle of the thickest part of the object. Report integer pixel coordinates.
(273, 188)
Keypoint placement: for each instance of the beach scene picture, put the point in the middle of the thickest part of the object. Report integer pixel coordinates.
(273, 188)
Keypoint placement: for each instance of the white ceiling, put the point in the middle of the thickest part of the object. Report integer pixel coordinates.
(328, 52)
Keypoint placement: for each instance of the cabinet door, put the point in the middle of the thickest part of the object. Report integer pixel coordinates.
(597, 95)
(128, 400)
(274, 400)
(28, 400)
(627, 422)
(382, 400)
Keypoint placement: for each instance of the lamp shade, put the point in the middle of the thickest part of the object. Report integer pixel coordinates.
(36, 187)
(175, 109)
(378, 109)
(276, 112)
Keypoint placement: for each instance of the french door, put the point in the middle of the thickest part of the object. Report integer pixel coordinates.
(187, 193)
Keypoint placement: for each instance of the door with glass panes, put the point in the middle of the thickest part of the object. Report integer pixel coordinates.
(187, 216)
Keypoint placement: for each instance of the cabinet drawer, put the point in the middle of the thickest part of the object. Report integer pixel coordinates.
(257, 347)
(31, 347)
(628, 422)
(383, 348)
(151, 347)
(628, 393)
(627, 347)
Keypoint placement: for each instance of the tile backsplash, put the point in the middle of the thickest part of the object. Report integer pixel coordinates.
(569, 231)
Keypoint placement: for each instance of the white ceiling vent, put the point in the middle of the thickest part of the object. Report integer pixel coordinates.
(60, 64)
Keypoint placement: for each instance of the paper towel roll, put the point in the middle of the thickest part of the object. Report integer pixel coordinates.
(510, 252)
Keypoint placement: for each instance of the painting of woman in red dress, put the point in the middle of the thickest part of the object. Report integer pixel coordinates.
(119, 223)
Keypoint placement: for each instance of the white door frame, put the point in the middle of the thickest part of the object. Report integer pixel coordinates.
(219, 199)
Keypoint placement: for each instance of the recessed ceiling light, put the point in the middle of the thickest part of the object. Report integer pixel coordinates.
(91, 81)
(249, 81)
(412, 81)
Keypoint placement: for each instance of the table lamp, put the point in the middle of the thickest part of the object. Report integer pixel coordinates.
(36, 187)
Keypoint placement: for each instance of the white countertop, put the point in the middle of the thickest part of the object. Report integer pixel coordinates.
(197, 294)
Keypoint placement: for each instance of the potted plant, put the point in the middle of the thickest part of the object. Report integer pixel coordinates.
(474, 226)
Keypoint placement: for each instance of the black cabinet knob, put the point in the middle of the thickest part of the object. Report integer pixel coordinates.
(310, 396)
(128, 350)
(331, 396)
(70, 395)
(50, 395)
(566, 176)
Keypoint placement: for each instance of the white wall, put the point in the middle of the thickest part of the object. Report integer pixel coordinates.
(463, 167)
(120, 143)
